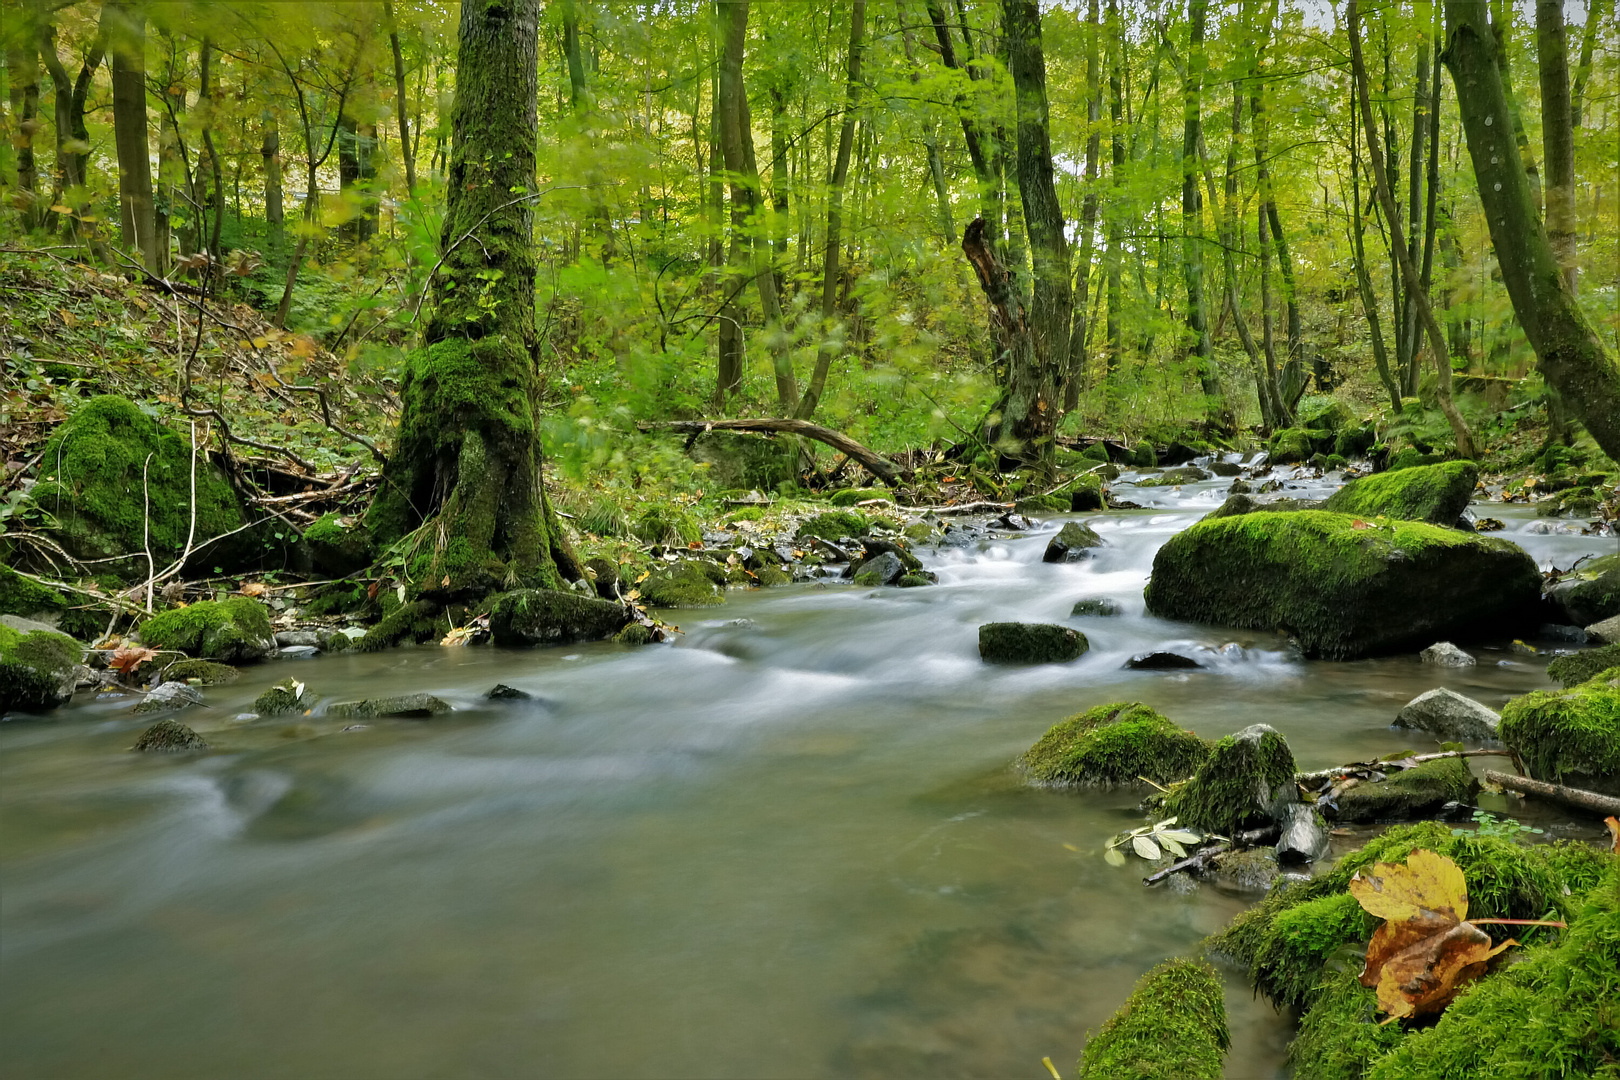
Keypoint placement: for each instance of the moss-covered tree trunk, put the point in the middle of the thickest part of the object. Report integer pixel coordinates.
(466, 463)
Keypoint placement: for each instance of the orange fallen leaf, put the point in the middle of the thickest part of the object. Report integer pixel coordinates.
(1359, 524)
(129, 657)
(254, 588)
(1614, 831)
(1426, 949)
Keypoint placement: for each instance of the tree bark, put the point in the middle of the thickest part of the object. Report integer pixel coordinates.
(1414, 288)
(406, 150)
(467, 454)
(1080, 333)
(270, 152)
(22, 69)
(1231, 229)
(1579, 798)
(1369, 299)
(1557, 134)
(1571, 356)
(1202, 346)
(1116, 115)
(205, 105)
(136, 211)
(1281, 413)
(828, 349)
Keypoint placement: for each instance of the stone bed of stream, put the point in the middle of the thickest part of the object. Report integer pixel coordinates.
(789, 844)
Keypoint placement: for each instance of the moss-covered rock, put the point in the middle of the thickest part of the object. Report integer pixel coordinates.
(915, 580)
(232, 631)
(1243, 783)
(1187, 474)
(1030, 643)
(1101, 606)
(1073, 542)
(339, 546)
(1118, 743)
(410, 706)
(202, 672)
(551, 617)
(850, 496)
(38, 670)
(1355, 442)
(169, 736)
(1592, 594)
(1173, 1027)
(771, 576)
(1569, 736)
(91, 482)
(1344, 587)
(686, 584)
(636, 634)
(287, 696)
(885, 568)
(1437, 494)
(1406, 795)
(738, 459)
(1289, 446)
(1323, 412)
(835, 525)
(1242, 502)
(1578, 667)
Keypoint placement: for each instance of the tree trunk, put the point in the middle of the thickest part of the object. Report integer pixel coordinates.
(1201, 346)
(1231, 230)
(406, 150)
(1571, 357)
(22, 68)
(205, 105)
(270, 151)
(1557, 134)
(835, 214)
(1116, 114)
(467, 452)
(1080, 332)
(1281, 414)
(136, 212)
(972, 136)
(1369, 300)
(1409, 274)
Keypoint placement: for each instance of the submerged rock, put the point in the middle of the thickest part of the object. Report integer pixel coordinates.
(1246, 782)
(1118, 743)
(1569, 737)
(1161, 661)
(1437, 494)
(1448, 715)
(885, 569)
(1304, 836)
(550, 616)
(204, 672)
(287, 696)
(1072, 543)
(1342, 587)
(502, 692)
(1100, 606)
(1030, 643)
(1445, 654)
(1406, 794)
(405, 705)
(916, 580)
(686, 584)
(169, 697)
(169, 736)
(38, 670)
(1581, 666)
(1172, 1026)
(233, 631)
(1252, 869)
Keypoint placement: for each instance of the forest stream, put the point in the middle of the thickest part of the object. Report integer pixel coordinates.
(789, 845)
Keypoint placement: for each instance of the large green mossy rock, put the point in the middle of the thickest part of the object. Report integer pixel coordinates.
(1344, 587)
(553, 617)
(1172, 1027)
(1569, 737)
(339, 546)
(1437, 494)
(233, 631)
(1244, 783)
(1289, 446)
(1592, 593)
(1578, 667)
(91, 482)
(835, 525)
(1123, 742)
(1406, 795)
(1030, 643)
(691, 583)
(38, 670)
(741, 460)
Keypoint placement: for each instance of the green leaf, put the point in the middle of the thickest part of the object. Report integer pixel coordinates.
(1171, 846)
(1180, 836)
(1114, 857)
(1145, 847)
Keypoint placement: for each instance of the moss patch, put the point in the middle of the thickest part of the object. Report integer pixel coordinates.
(1340, 1034)
(835, 525)
(1579, 667)
(1568, 736)
(206, 672)
(231, 631)
(36, 669)
(418, 621)
(1344, 589)
(1030, 643)
(1112, 744)
(19, 596)
(1408, 793)
(686, 584)
(668, 525)
(1245, 776)
(551, 616)
(1173, 1027)
(1437, 494)
(1289, 445)
(339, 546)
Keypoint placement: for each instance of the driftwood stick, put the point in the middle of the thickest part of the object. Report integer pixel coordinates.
(1196, 861)
(875, 463)
(1326, 774)
(963, 508)
(1576, 797)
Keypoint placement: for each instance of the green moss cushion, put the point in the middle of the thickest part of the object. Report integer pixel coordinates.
(1118, 743)
(1242, 784)
(1569, 736)
(1173, 1027)
(1578, 667)
(231, 631)
(38, 670)
(1407, 794)
(1437, 494)
(1344, 587)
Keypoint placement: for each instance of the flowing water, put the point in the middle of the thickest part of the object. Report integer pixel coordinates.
(788, 845)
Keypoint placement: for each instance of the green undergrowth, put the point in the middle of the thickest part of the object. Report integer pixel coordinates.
(1172, 1027)
(1118, 743)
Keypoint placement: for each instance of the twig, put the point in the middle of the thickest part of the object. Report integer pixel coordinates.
(1395, 763)
(146, 533)
(1576, 797)
(874, 463)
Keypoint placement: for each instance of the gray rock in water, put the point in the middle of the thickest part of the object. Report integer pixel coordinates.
(886, 569)
(1161, 661)
(297, 652)
(1225, 468)
(1030, 643)
(1445, 654)
(1097, 605)
(410, 705)
(502, 692)
(1606, 632)
(1304, 835)
(169, 697)
(288, 638)
(548, 616)
(169, 736)
(1449, 715)
(1071, 543)
(1245, 870)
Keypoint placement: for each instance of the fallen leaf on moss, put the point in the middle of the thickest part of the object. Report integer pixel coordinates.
(1614, 831)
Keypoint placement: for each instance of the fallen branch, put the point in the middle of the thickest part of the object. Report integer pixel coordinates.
(1568, 796)
(1394, 763)
(963, 508)
(1196, 863)
(875, 463)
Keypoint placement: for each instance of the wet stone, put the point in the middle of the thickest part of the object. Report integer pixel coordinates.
(1304, 835)
(406, 705)
(1445, 654)
(1449, 715)
(1161, 661)
(1030, 643)
(1097, 605)
(169, 697)
(502, 692)
(169, 736)
(1072, 543)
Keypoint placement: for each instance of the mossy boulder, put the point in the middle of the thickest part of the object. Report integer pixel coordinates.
(636, 634)
(1344, 587)
(1030, 643)
(771, 576)
(1592, 594)
(1323, 412)
(287, 696)
(850, 496)
(1172, 1027)
(835, 525)
(91, 482)
(1187, 474)
(1119, 743)
(1437, 494)
(339, 546)
(38, 670)
(1101, 606)
(741, 460)
(201, 672)
(1289, 446)
(1406, 794)
(885, 568)
(169, 736)
(231, 631)
(1569, 737)
(1072, 543)
(1244, 783)
(1242, 502)
(409, 706)
(686, 584)
(552, 617)
(1580, 666)
(1355, 442)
